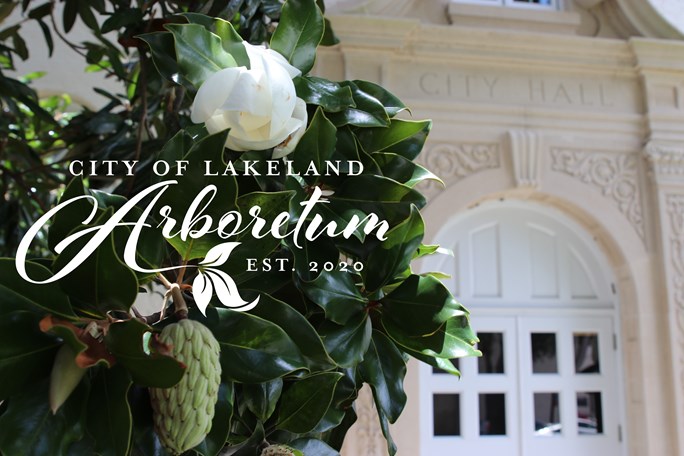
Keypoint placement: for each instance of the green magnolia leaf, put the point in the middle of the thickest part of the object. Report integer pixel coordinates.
(420, 305)
(220, 426)
(454, 339)
(329, 37)
(26, 354)
(18, 294)
(427, 249)
(145, 441)
(296, 326)
(109, 416)
(310, 259)
(314, 447)
(250, 446)
(29, 428)
(330, 96)
(335, 437)
(337, 294)
(253, 350)
(305, 402)
(97, 287)
(394, 254)
(347, 344)
(163, 51)
(317, 145)
(199, 52)
(230, 39)
(125, 341)
(401, 169)
(368, 111)
(384, 369)
(261, 398)
(392, 104)
(388, 199)
(443, 364)
(384, 425)
(299, 31)
(121, 18)
(403, 137)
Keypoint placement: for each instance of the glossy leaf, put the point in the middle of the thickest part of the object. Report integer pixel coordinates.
(261, 398)
(317, 145)
(306, 401)
(299, 31)
(309, 446)
(454, 339)
(368, 111)
(394, 137)
(420, 305)
(403, 170)
(253, 350)
(394, 254)
(18, 294)
(29, 428)
(250, 446)
(297, 327)
(384, 369)
(331, 96)
(337, 294)
(199, 52)
(125, 341)
(109, 415)
(26, 354)
(347, 344)
(392, 104)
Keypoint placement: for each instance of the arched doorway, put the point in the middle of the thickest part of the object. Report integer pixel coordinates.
(543, 302)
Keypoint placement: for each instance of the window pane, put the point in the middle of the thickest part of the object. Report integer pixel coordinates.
(437, 370)
(586, 353)
(546, 414)
(589, 413)
(492, 414)
(492, 360)
(544, 359)
(446, 414)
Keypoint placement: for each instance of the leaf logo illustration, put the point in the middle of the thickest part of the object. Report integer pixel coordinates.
(210, 281)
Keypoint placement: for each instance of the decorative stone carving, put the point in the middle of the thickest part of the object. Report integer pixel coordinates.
(674, 205)
(365, 438)
(665, 161)
(526, 154)
(615, 175)
(453, 162)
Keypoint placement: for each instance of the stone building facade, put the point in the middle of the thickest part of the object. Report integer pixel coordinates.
(559, 133)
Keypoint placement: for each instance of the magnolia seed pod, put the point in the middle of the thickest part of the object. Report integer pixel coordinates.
(65, 377)
(184, 412)
(277, 450)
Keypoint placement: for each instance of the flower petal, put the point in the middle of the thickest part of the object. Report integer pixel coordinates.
(213, 93)
(297, 127)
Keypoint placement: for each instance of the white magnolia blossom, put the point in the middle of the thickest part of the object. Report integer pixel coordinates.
(259, 105)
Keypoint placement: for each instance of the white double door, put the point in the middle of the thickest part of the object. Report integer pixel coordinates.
(546, 386)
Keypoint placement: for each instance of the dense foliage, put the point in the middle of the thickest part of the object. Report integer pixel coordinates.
(344, 313)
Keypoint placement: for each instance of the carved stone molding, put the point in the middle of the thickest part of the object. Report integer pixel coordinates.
(674, 205)
(615, 175)
(525, 146)
(665, 161)
(453, 162)
(365, 437)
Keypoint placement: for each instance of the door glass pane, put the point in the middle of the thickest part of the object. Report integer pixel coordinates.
(492, 359)
(546, 414)
(437, 370)
(446, 414)
(586, 353)
(544, 358)
(589, 413)
(492, 414)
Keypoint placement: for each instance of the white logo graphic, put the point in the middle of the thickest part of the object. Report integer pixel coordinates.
(210, 281)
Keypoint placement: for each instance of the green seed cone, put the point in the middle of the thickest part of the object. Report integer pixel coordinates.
(277, 450)
(183, 413)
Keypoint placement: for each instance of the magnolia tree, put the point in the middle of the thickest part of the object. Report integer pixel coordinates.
(281, 223)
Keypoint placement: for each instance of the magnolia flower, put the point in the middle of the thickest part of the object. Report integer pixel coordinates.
(259, 105)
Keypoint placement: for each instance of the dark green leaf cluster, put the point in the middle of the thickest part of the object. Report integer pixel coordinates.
(344, 312)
